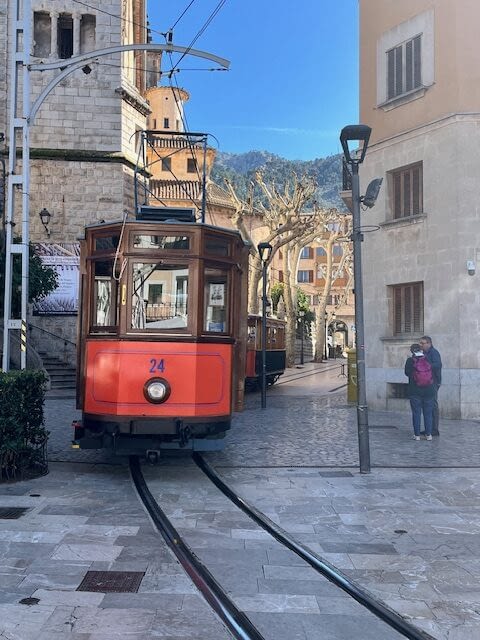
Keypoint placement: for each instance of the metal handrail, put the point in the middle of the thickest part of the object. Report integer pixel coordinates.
(33, 326)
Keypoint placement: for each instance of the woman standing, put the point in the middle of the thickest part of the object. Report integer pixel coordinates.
(421, 391)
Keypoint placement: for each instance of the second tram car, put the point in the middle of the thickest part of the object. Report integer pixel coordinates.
(275, 351)
(162, 336)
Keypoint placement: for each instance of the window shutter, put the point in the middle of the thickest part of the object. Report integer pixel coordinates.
(391, 74)
(417, 308)
(406, 194)
(397, 195)
(417, 61)
(398, 71)
(408, 310)
(416, 204)
(310, 276)
(397, 309)
(409, 66)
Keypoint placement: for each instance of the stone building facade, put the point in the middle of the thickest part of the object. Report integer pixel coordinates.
(84, 137)
(420, 93)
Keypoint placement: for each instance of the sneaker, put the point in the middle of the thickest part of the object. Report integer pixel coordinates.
(416, 437)
(428, 437)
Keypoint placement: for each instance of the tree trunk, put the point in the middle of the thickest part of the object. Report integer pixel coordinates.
(289, 313)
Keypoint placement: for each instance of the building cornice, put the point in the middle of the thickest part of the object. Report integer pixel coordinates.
(80, 155)
(438, 122)
(134, 99)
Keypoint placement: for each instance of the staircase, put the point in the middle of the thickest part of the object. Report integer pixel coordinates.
(62, 377)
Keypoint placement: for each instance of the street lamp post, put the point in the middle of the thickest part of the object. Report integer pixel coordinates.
(357, 135)
(302, 329)
(265, 251)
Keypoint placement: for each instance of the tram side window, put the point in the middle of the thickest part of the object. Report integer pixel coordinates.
(159, 296)
(215, 301)
(104, 300)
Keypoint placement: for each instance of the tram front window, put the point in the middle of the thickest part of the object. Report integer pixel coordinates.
(215, 301)
(104, 304)
(159, 296)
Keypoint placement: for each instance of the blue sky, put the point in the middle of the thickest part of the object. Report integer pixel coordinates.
(293, 79)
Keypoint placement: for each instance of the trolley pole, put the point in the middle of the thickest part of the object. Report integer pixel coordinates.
(265, 251)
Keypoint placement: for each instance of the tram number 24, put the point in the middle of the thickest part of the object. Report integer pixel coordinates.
(157, 365)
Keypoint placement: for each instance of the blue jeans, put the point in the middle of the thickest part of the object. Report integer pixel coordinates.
(420, 405)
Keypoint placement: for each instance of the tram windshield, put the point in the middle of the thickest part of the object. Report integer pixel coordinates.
(159, 296)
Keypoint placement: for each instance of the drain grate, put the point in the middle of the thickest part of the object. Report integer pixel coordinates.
(12, 513)
(111, 581)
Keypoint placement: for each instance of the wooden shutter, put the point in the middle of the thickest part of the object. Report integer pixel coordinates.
(391, 74)
(397, 195)
(417, 205)
(397, 309)
(409, 66)
(417, 61)
(418, 307)
(398, 71)
(406, 194)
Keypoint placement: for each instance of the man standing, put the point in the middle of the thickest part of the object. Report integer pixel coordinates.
(433, 356)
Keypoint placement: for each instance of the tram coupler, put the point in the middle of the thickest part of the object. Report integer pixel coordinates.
(152, 456)
(183, 432)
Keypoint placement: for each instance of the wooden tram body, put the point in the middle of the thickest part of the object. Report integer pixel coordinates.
(274, 352)
(162, 335)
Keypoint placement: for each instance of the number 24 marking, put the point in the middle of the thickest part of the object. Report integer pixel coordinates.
(157, 365)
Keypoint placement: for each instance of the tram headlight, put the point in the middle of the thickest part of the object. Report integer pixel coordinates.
(156, 390)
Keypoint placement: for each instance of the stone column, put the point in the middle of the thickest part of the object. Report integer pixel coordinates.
(54, 35)
(76, 33)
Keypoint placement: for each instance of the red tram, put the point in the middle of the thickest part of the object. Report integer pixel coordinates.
(162, 335)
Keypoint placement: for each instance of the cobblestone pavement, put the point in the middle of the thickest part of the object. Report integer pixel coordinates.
(409, 531)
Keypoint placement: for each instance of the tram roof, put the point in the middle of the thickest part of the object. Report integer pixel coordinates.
(110, 223)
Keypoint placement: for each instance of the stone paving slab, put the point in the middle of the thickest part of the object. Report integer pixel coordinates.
(411, 534)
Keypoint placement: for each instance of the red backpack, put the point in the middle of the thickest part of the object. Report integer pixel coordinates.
(422, 372)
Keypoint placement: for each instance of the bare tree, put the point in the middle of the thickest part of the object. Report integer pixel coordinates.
(290, 219)
(336, 230)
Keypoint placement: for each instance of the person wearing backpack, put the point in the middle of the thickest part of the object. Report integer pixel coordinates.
(421, 391)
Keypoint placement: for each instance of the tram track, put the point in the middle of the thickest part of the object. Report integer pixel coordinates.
(236, 620)
(306, 374)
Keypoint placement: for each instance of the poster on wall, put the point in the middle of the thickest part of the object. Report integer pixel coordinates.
(65, 259)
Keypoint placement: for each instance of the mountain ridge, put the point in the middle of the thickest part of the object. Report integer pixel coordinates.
(240, 169)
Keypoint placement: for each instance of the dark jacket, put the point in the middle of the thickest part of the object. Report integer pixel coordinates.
(433, 356)
(414, 389)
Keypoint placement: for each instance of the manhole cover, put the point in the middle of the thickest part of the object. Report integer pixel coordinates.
(29, 601)
(111, 581)
(12, 513)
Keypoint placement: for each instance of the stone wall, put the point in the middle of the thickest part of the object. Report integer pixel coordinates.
(432, 248)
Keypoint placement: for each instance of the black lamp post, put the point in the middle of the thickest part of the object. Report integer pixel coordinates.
(354, 140)
(265, 251)
(302, 331)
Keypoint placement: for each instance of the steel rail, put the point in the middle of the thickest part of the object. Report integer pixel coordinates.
(331, 572)
(237, 622)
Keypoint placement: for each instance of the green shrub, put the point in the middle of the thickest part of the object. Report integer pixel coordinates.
(23, 436)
